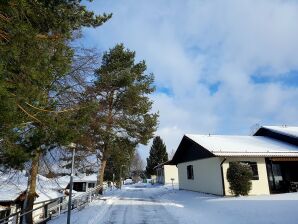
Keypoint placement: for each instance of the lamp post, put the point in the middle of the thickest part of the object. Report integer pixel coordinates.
(72, 146)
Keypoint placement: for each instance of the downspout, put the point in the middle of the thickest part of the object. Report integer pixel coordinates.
(222, 177)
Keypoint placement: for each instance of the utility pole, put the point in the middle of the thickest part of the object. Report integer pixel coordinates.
(73, 146)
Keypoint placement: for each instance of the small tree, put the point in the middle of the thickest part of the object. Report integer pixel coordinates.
(239, 176)
(158, 154)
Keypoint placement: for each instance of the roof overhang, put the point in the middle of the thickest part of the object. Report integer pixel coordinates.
(195, 147)
(162, 164)
(189, 150)
(255, 154)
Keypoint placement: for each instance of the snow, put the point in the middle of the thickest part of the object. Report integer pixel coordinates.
(3, 208)
(287, 130)
(228, 145)
(13, 184)
(86, 178)
(144, 203)
(128, 181)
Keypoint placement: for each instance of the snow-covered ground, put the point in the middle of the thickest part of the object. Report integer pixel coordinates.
(158, 204)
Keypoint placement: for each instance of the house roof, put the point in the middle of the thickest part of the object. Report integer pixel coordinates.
(162, 164)
(9, 192)
(231, 145)
(285, 130)
(14, 184)
(85, 178)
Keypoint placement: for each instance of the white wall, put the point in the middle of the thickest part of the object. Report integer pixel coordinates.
(170, 171)
(207, 176)
(259, 187)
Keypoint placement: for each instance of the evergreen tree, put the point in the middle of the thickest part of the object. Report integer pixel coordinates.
(119, 161)
(123, 117)
(35, 55)
(239, 176)
(158, 154)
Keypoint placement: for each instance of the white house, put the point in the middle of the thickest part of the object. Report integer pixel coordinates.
(203, 161)
(166, 174)
(81, 183)
(84, 183)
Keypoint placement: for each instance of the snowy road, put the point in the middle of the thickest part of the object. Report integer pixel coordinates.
(135, 205)
(146, 204)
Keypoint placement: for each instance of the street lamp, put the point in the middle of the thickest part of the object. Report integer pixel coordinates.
(73, 147)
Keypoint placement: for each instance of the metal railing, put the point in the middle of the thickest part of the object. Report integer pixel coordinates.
(48, 212)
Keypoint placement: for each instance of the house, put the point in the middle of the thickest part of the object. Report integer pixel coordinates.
(203, 160)
(84, 183)
(13, 191)
(166, 173)
(81, 182)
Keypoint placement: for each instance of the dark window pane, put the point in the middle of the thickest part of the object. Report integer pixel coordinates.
(254, 169)
(190, 172)
(91, 185)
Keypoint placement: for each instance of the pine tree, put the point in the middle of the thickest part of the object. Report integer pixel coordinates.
(158, 154)
(123, 116)
(35, 56)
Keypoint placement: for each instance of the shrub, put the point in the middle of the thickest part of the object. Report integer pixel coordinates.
(239, 176)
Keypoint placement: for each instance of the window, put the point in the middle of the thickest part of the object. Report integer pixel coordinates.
(79, 186)
(254, 168)
(91, 185)
(190, 172)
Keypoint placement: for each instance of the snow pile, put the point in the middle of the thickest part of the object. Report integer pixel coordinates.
(204, 208)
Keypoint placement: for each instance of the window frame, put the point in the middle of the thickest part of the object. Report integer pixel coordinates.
(190, 174)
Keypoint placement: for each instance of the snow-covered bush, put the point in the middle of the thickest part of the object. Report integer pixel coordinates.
(239, 176)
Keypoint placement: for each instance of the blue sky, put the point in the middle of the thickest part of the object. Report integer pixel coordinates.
(220, 66)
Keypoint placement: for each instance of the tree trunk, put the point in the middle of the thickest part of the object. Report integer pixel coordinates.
(101, 175)
(31, 189)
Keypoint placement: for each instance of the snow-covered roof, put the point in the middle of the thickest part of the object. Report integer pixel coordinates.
(286, 130)
(85, 178)
(13, 184)
(231, 145)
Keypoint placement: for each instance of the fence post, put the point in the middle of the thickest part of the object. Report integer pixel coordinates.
(46, 211)
(17, 217)
(60, 206)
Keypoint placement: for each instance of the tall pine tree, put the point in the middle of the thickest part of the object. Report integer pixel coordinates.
(158, 154)
(123, 117)
(35, 54)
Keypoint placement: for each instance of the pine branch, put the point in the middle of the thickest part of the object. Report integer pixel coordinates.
(36, 119)
(53, 111)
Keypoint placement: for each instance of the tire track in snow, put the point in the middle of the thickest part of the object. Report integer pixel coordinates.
(137, 206)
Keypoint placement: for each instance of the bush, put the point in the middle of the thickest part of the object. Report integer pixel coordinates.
(239, 176)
